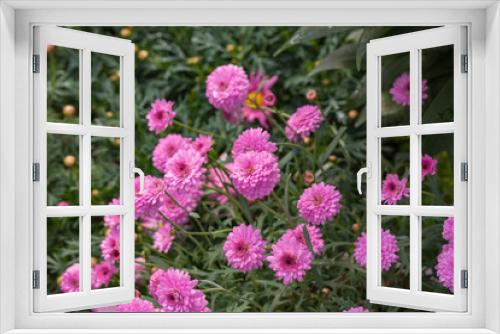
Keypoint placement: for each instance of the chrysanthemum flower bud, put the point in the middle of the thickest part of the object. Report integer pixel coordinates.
(311, 94)
(355, 227)
(307, 140)
(69, 110)
(69, 161)
(126, 32)
(143, 54)
(352, 114)
(308, 177)
(332, 158)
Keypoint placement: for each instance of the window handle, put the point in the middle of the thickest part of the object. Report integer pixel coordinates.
(364, 170)
(134, 170)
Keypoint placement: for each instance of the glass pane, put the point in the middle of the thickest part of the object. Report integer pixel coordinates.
(105, 170)
(63, 254)
(395, 251)
(105, 89)
(437, 254)
(437, 75)
(395, 171)
(437, 169)
(395, 89)
(63, 169)
(105, 252)
(63, 91)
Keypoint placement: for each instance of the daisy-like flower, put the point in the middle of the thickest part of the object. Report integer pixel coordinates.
(255, 139)
(428, 166)
(227, 88)
(400, 90)
(161, 115)
(137, 305)
(244, 248)
(356, 309)
(255, 174)
(151, 199)
(218, 179)
(394, 189)
(389, 251)
(319, 203)
(289, 260)
(259, 98)
(175, 291)
(448, 227)
(166, 148)
(203, 144)
(111, 221)
(163, 237)
(315, 237)
(102, 274)
(444, 266)
(303, 122)
(110, 246)
(70, 279)
(184, 170)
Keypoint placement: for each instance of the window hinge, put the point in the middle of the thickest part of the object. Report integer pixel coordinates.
(464, 284)
(464, 171)
(465, 64)
(36, 172)
(36, 279)
(36, 63)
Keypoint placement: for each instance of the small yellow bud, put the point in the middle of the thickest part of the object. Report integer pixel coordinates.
(143, 54)
(126, 32)
(69, 161)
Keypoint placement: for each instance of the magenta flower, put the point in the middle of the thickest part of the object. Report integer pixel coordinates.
(389, 251)
(70, 279)
(161, 115)
(259, 98)
(110, 246)
(179, 204)
(448, 226)
(444, 266)
(102, 274)
(400, 90)
(151, 199)
(227, 88)
(137, 305)
(394, 189)
(255, 139)
(255, 174)
(63, 203)
(356, 309)
(303, 122)
(289, 260)
(297, 234)
(203, 144)
(175, 291)
(319, 203)
(111, 221)
(184, 170)
(166, 148)
(163, 238)
(218, 179)
(244, 248)
(428, 166)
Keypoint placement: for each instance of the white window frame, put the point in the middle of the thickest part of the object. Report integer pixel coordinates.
(17, 19)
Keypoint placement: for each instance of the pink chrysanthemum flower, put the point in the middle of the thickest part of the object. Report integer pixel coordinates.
(244, 248)
(255, 174)
(356, 309)
(303, 122)
(218, 179)
(289, 260)
(428, 166)
(394, 189)
(70, 279)
(63, 203)
(319, 203)
(315, 237)
(175, 291)
(111, 221)
(137, 305)
(151, 199)
(110, 246)
(444, 266)
(227, 88)
(255, 139)
(102, 274)
(179, 204)
(448, 229)
(203, 144)
(184, 170)
(389, 251)
(400, 90)
(161, 115)
(259, 98)
(163, 238)
(166, 148)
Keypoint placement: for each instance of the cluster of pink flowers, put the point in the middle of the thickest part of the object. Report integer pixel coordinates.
(101, 275)
(389, 250)
(400, 90)
(303, 122)
(394, 189)
(429, 166)
(444, 267)
(161, 115)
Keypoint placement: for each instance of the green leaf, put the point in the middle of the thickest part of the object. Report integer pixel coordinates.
(343, 57)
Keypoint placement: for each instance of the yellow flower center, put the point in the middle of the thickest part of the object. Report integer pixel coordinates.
(255, 100)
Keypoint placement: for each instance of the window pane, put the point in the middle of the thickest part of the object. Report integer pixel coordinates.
(105, 170)
(395, 251)
(395, 89)
(62, 169)
(437, 169)
(105, 89)
(395, 171)
(63, 254)
(437, 73)
(63, 89)
(105, 252)
(437, 254)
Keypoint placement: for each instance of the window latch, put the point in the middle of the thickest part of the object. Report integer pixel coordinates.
(464, 171)
(36, 172)
(465, 64)
(36, 63)
(359, 175)
(36, 279)
(464, 279)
